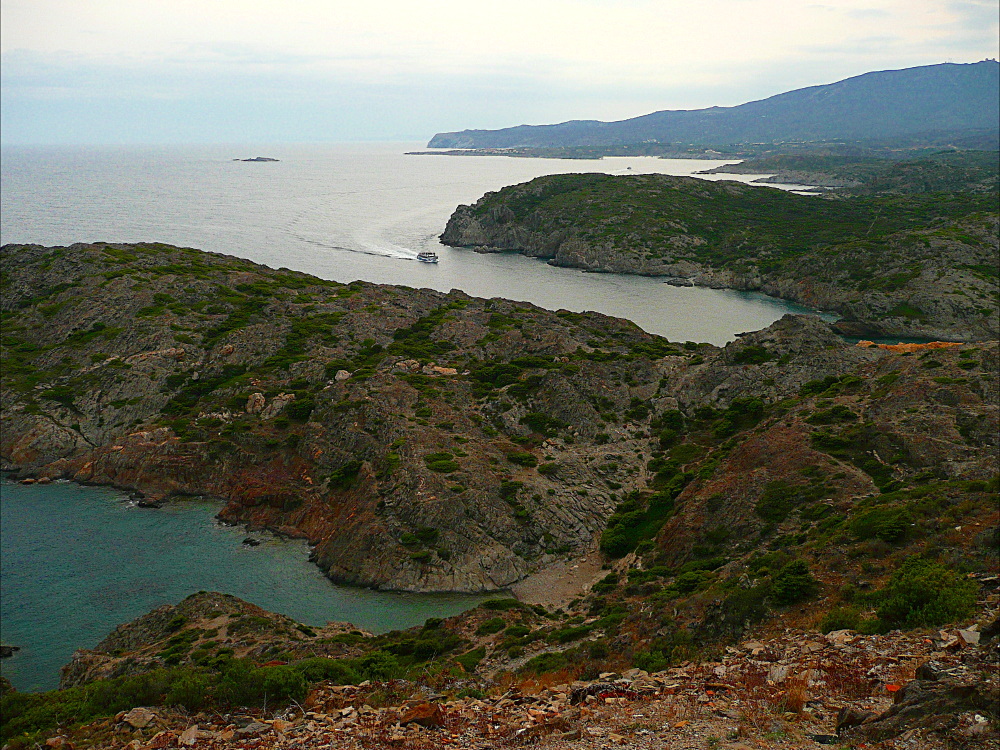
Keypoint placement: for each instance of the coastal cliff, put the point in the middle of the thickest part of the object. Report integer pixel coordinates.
(921, 265)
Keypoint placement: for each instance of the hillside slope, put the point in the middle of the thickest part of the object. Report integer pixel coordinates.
(785, 483)
(951, 100)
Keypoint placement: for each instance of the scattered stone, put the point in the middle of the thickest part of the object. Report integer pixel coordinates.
(424, 714)
(189, 736)
(139, 717)
(253, 728)
(160, 740)
(970, 637)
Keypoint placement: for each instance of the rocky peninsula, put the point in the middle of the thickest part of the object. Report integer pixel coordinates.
(919, 265)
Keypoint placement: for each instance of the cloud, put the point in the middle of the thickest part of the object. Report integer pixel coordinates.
(387, 68)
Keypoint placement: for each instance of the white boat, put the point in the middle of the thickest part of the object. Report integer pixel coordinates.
(427, 257)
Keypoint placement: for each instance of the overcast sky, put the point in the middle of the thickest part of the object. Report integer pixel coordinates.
(146, 71)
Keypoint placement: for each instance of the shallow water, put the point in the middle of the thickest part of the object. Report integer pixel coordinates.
(75, 562)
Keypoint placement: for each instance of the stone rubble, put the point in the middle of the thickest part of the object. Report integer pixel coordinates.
(797, 689)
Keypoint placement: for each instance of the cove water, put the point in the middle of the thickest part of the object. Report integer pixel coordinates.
(76, 562)
(346, 212)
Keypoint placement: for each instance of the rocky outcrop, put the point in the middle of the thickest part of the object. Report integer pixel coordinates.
(398, 430)
(206, 622)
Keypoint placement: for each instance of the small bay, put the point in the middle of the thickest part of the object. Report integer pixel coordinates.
(76, 561)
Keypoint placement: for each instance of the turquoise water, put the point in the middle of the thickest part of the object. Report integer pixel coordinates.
(75, 562)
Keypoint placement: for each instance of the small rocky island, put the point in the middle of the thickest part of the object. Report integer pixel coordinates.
(258, 158)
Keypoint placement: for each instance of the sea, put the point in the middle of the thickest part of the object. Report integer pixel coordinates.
(78, 561)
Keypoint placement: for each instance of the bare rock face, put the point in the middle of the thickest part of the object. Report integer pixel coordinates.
(255, 403)
(940, 701)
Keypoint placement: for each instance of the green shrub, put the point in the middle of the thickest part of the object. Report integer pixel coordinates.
(345, 477)
(502, 605)
(542, 423)
(633, 523)
(378, 665)
(494, 625)
(282, 684)
(890, 524)
(517, 631)
(470, 660)
(794, 583)
(567, 635)
(427, 535)
(752, 355)
(841, 618)
(547, 662)
(779, 498)
(923, 593)
(189, 691)
(834, 415)
(522, 459)
(689, 581)
(241, 684)
(549, 469)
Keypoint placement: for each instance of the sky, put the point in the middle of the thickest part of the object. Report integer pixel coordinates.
(263, 71)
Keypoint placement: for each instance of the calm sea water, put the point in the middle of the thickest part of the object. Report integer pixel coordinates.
(75, 562)
(345, 212)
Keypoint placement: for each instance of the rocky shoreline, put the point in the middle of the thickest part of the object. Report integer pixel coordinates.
(366, 453)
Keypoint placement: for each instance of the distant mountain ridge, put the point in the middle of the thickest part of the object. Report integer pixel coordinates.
(949, 98)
